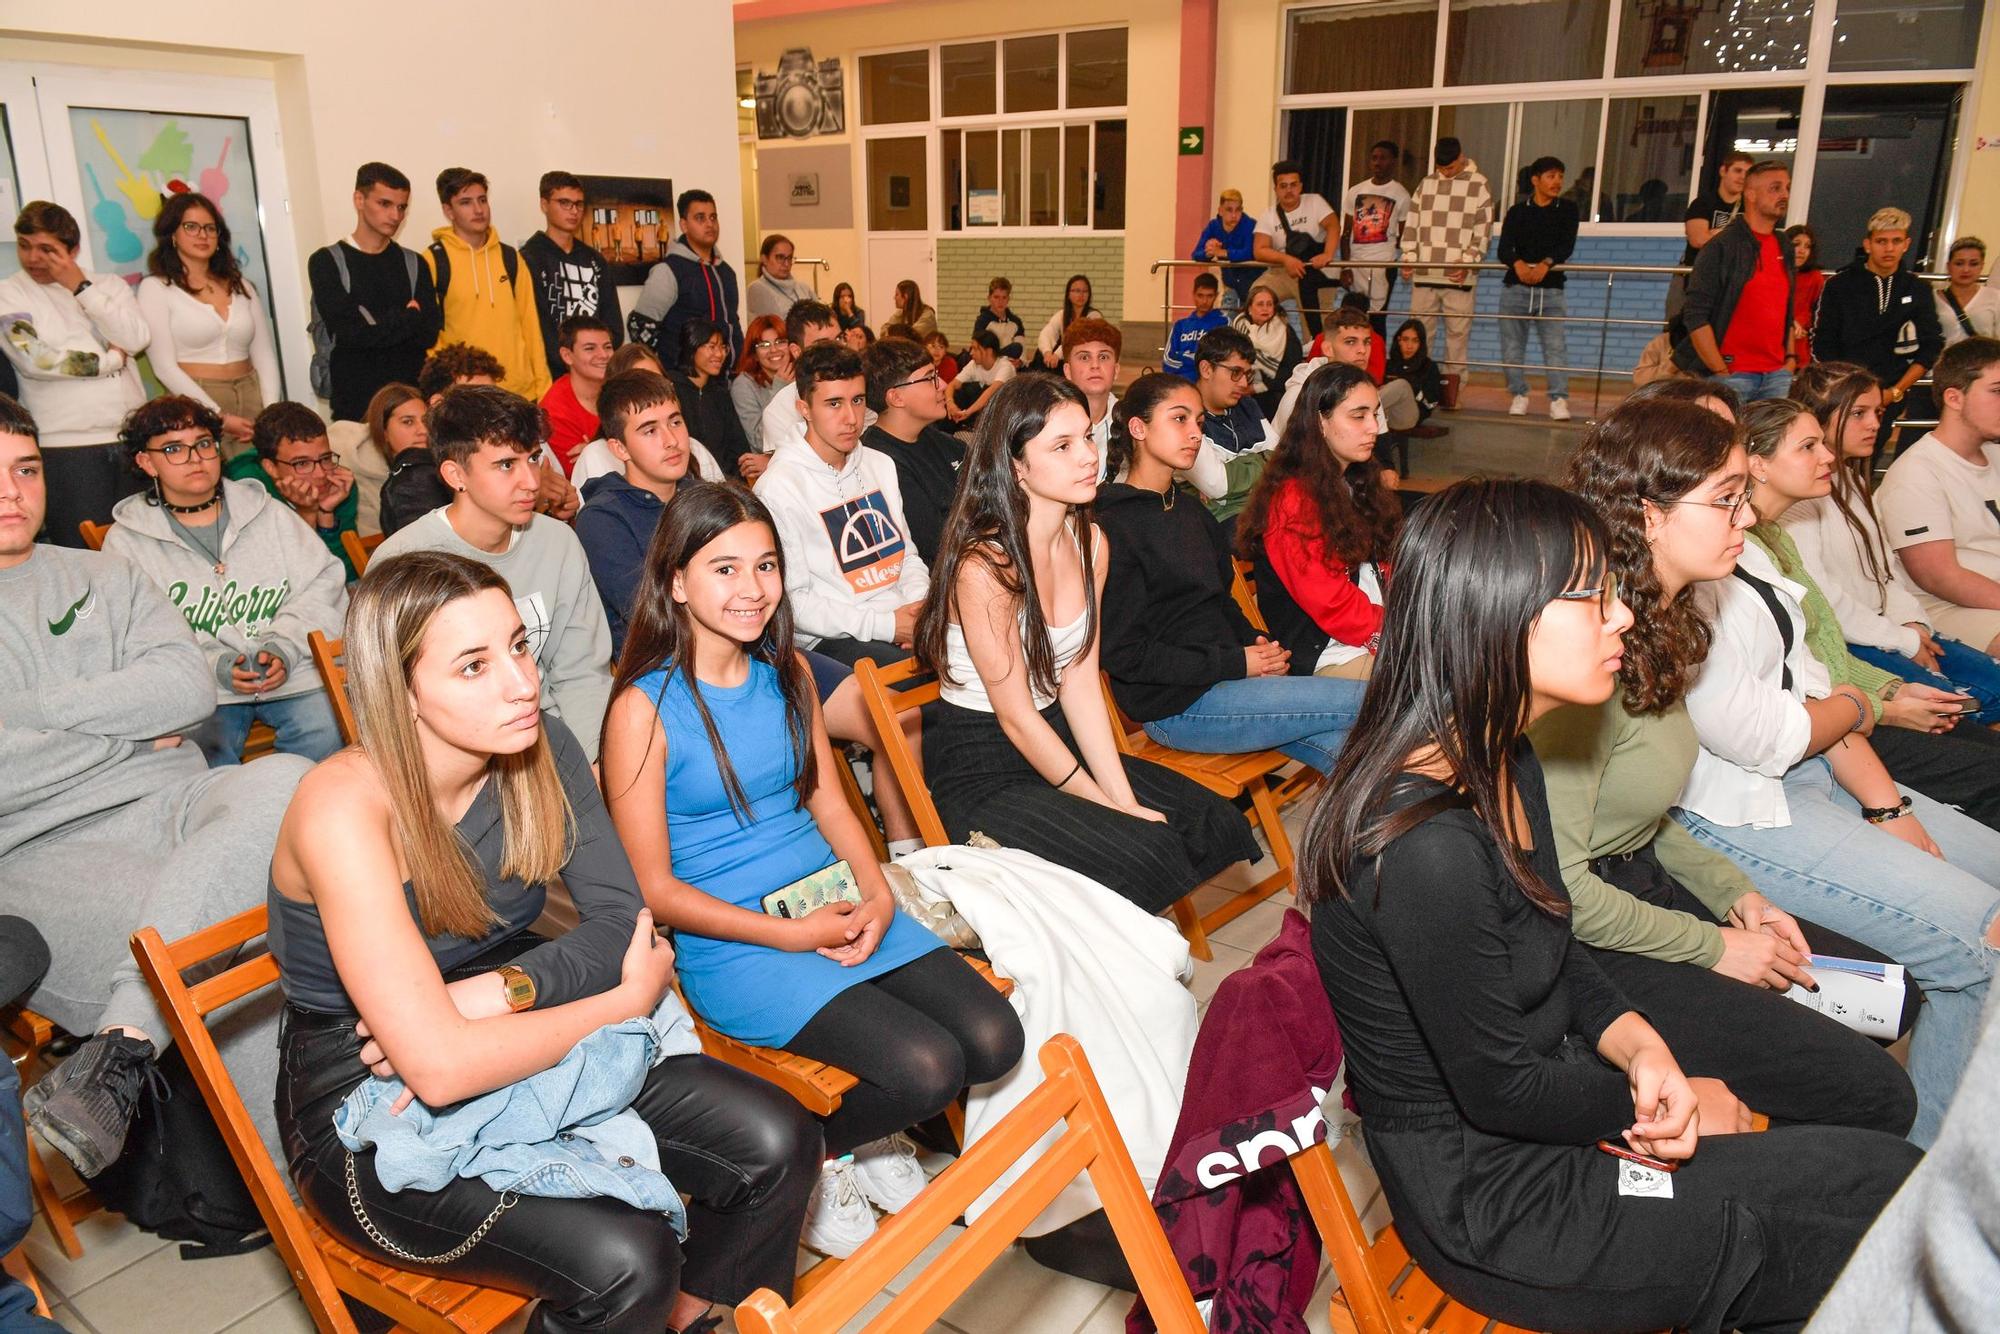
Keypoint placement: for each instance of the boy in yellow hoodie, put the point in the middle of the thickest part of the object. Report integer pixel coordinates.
(487, 296)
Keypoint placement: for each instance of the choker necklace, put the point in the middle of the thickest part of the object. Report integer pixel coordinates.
(172, 508)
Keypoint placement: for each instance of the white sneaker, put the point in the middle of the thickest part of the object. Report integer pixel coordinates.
(839, 1219)
(1559, 409)
(1519, 407)
(888, 1173)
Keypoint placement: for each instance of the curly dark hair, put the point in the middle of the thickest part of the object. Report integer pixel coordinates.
(165, 261)
(1359, 517)
(453, 362)
(157, 416)
(1650, 451)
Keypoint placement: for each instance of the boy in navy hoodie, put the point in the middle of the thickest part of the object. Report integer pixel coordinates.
(1188, 329)
(643, 426)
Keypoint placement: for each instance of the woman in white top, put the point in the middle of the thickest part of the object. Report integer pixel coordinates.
(1076, 305)
(1966, 306)
(1023, 748)
(1840, 537)
(210, 340)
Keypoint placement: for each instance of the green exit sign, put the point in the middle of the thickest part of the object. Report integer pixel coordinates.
(1192, 139)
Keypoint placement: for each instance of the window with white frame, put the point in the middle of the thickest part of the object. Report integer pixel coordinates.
(1031, 130)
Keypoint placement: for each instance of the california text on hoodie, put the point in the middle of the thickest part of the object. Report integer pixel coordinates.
(545, 567)
(616, 526)
(849, 562)
(573, 282)
(483, 307)
(680, 288)
(1171, 629)
(66, 350)
(1449, 223)
(1884, 323)
(278, 583)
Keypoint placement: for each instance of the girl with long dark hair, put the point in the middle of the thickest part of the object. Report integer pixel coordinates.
(403, 885)
(1022, 747)
(1319, 527)
(844, 309)
(211, 339)
(702, 382)
(1677, 926)
(1182, 657)
(1487, 1052)
(714, 752)
(910, 310)
(1409, 360)
(1839, 536)
(1076, 304)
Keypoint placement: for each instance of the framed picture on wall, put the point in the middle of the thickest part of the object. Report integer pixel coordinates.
(630, 219)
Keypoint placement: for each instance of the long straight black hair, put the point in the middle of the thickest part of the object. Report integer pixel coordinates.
(660, 636)
(1476, 565)
(988, 523)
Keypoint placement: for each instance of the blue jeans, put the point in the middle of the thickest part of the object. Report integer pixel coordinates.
(1306, 717)
(1521, 300)
(304, 724)
(1966, 670)
(1831, 867)
(1752, 386)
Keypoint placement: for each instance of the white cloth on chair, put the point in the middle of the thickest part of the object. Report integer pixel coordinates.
(1084, 962)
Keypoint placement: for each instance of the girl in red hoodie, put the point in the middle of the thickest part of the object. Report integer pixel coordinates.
(1320, 525)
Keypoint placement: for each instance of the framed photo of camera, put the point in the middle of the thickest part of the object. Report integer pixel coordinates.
(801, 98)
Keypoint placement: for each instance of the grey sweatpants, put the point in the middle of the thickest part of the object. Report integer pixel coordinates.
(184, 858)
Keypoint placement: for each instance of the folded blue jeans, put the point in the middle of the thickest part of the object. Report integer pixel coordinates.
(1306, 717)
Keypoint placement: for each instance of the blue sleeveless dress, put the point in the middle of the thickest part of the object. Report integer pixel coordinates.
(751, 992)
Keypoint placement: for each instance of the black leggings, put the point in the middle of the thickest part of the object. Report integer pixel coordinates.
(747, 1154)
(1780, 1058)
(914, 1037)
(1959, 768)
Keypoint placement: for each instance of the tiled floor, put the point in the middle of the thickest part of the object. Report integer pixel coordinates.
(130, 1282)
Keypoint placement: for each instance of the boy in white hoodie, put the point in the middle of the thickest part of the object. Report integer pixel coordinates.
(72, 337)
(852, 574)
(251, 579)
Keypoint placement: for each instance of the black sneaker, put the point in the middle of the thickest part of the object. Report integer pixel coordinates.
(84, 1106)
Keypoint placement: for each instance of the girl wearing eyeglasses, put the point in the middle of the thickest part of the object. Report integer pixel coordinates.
(211, 341)
(250, 577)
(1680, 929)
(764, 368)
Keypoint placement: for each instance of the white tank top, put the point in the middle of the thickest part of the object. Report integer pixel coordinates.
(964, 687)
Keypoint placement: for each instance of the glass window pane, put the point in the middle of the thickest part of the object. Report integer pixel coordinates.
(1030, 64)
(1044, 176)
(1076, 175)
(897, 188)
(10, 193)
(1354, 48)
(1565, 130)
(1525, 41)
(1763, 122)
(951, 190)
(1648, 158)
(1408, 128)
(1010, 178)
(746, 104)
(896, 88)
(982, 178)
(1313, 137)
(1108, 187)
(966, 76)
(1659, 37)
(1481, 131)
(1882, 144)
(1895, 34)
(1094, 68)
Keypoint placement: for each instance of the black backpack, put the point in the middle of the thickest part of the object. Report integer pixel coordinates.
(176, 1178)
(510, 259)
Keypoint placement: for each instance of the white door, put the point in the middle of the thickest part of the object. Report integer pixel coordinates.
(892, 257)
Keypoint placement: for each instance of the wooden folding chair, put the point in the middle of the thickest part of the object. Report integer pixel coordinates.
(93, 533)
(886, 704)
(1089, 1142)
(326, 655)
(28, 1035)
(359, 548)
(15, 1262)
(1305, 779)
(322, 1267)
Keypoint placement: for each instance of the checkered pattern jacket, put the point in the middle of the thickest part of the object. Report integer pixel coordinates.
(1451, 220)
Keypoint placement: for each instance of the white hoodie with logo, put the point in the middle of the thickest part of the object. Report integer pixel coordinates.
(849, 561)
(278, 583)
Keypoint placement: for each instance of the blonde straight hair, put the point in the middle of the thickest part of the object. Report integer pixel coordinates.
(387, 622)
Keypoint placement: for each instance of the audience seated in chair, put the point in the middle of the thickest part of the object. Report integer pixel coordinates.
(596, 459)
(112, 821)
(293, 461)
(908, 395)
(585, 344)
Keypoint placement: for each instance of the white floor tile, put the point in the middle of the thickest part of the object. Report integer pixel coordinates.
(201, 1295)
(286, 1314)
(1018, 1295)
(110, 1245)
(1256, 928)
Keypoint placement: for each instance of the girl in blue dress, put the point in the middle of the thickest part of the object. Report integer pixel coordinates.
(713, 749)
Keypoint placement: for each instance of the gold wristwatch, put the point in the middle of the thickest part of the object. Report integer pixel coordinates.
(519, 986)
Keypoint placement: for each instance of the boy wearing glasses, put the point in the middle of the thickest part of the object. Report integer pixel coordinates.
(250, 578)
(292, 460)
(908, 394)
(571, 277)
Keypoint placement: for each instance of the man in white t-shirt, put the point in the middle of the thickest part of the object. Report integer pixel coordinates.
(984, 371)
(1298, 239)
(1372, 228)
(1940, 503)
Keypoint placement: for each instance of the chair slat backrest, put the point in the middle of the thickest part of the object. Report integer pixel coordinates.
(93, 533)
(186, 1010)
(327, 654)
(886, 705)
(1245, 593)
(359, 549)
(1089, 1142)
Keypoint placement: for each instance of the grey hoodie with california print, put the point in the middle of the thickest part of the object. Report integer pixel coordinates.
(277, 584)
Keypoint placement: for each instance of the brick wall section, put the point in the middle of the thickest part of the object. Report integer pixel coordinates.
(1038, 267)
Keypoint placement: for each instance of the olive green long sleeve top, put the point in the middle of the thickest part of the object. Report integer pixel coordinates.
(1613, 778)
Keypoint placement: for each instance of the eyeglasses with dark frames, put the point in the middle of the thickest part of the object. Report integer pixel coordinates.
(186, 451)
(1605, 594)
